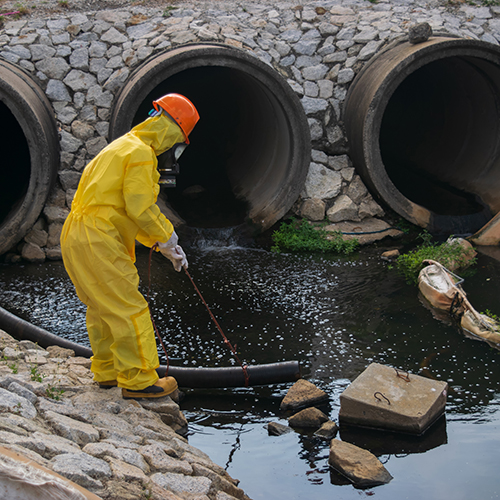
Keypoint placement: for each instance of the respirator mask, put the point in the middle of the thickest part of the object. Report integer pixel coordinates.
(168, 166)
(167, 161)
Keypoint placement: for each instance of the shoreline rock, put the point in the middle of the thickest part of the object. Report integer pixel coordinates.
(53, 413)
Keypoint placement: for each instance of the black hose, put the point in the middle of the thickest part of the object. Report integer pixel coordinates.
(273, 373)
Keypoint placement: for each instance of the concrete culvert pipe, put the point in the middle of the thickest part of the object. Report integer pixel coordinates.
(423, 128)
(30, 153)
(250, 151)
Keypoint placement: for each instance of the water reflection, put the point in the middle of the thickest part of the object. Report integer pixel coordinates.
(335, 315)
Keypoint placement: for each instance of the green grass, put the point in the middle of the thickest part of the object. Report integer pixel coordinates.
(301, 236)
(450, 255)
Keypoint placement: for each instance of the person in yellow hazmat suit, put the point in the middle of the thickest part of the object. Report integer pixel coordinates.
(115, 205)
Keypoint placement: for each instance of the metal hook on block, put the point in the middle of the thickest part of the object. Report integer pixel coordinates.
(404, 375)
(375, 396)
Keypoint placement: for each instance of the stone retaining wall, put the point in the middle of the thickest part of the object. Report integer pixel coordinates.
(82, 58)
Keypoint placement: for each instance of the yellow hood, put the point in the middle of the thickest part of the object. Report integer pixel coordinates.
(159, 132)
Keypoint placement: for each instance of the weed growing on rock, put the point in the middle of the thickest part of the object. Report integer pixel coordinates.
(14, 367)
(450, 254)
(36, 376)
(54, 392)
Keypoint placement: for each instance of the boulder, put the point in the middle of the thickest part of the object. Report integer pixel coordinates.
(360, 466)
(309, 417)
(302, 394)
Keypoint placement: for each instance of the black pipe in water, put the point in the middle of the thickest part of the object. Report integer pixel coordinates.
(273, 373)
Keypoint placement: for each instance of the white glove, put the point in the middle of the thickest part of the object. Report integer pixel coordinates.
(175, 255)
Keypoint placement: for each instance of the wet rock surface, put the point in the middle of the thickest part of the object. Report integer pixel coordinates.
(53, 413)
(303, 393)
(308, 418)
(360, 466)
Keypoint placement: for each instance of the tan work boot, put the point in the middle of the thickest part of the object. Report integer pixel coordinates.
(163, 387)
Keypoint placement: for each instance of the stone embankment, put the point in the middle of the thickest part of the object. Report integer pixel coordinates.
(53, 413)
(81, 53)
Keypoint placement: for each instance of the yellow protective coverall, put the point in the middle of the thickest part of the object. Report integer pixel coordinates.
(115, 204)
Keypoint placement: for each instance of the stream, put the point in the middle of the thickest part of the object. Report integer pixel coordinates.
(335, 315)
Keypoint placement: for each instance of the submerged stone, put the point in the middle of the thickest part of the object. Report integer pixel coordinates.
(383, 397)
(277, 429)
(360, 466)
(327, 431)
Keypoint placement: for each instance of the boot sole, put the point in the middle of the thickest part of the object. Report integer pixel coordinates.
(146, 395)
(108, 386)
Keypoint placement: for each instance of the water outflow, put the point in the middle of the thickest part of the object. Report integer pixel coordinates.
(217, 239)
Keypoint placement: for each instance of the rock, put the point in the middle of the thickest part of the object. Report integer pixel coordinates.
(419, 33)
(390, 255)
(82, 469)
(60, 352)
(313, 209)
(370, 208)
(277, 429)
(322, 183)
(468, 253)
(160, 461)
(23, 392)
(343, 209)
(358, 465)
(37, 237)
(11, 353)
(32, 253)
(182, 485)
(327, 431)
(17, 404)
(302, 394)
(71, 429)
(309, 417)
(55, 214)
(168, 411)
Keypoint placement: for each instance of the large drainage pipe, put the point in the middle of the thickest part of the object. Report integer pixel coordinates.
(423, 124)
(252, 142)
(272, 373)
(30, 153)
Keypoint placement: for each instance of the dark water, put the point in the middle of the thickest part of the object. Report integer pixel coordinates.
(336, 316)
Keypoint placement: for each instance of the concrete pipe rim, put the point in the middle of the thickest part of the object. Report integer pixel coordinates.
(387, 71)
(32, 111)
(274, 187)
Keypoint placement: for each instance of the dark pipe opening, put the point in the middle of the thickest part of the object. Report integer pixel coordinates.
(205, 166)
(15, 171)
(423, 126)
(249, 153)
(30, 153)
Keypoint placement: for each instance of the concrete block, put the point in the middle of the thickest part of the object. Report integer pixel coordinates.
(386, 398)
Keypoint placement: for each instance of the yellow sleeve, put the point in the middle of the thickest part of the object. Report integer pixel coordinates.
(140, 191)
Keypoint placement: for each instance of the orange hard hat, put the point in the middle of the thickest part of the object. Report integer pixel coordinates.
(181, 110)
